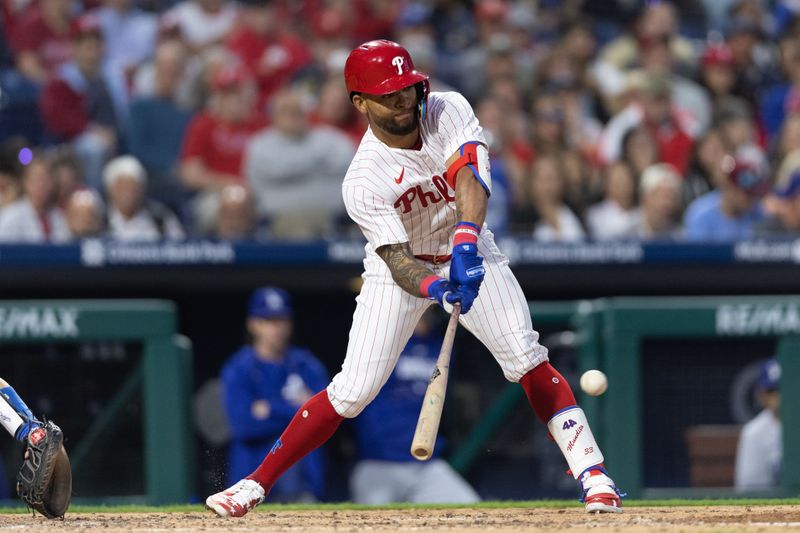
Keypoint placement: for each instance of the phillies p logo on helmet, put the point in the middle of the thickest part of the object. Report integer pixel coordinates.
(383, 67)
(398, 62)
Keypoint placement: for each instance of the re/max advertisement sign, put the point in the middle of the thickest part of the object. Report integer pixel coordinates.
(758, 319)
(38, 322)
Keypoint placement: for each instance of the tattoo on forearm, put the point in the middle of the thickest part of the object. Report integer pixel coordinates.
(406, 272)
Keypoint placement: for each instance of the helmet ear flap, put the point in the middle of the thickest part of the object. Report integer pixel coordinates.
(423, 89)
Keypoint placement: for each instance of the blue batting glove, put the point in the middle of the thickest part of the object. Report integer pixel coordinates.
(467, 294)
(442, 291)
(466, 266)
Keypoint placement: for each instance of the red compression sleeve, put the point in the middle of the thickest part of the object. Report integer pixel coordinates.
(547, 391)
(315, 422)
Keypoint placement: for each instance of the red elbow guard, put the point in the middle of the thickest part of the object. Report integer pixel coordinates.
(469, 156)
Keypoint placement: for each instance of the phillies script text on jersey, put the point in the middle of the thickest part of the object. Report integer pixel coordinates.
(425, 197)
(400, 195)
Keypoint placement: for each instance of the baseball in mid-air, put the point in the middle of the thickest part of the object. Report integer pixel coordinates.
(594, 382)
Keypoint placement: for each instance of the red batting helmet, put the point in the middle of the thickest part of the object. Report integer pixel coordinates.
(383, 67)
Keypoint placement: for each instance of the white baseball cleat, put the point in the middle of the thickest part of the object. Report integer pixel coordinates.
(600, 495)
(237, 500)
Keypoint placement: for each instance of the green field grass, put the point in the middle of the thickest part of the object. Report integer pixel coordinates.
(539, 504)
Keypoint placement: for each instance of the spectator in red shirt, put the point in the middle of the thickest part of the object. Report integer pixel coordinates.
(333, 109)
(77, 104)
(274, 56)
(352, 20)
(375, 18)
(652, 108)
(41, 40)
(216, 139)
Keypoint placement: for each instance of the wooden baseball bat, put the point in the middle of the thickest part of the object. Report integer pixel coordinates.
(431, 412)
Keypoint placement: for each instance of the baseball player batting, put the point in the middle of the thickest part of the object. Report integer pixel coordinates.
(418, 188)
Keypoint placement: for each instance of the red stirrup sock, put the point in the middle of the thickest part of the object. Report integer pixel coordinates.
(313, 424)
(547, 391)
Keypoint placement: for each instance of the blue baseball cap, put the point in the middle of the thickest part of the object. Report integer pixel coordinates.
(769, 374)
(270, 302)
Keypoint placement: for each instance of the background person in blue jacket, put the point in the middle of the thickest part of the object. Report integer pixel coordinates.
(386, 472)
(759, 454)
(263, 385)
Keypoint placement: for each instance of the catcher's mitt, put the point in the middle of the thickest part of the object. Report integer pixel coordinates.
(44, 482)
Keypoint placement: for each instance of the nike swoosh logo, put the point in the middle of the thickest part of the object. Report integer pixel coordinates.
(399, 179)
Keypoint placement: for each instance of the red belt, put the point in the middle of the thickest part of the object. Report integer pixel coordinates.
(435, 259)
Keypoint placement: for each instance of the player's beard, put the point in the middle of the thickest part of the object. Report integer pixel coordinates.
(393, 128)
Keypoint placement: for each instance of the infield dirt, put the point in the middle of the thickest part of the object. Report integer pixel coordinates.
(635, 519)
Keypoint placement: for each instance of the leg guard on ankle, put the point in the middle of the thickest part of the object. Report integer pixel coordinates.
(570, 429)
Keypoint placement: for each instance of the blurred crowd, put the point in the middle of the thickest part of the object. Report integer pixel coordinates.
(229, 119)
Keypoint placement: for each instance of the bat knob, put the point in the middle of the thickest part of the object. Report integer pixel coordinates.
(421, 454)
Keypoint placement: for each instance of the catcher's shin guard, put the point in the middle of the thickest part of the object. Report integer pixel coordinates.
(44, 481)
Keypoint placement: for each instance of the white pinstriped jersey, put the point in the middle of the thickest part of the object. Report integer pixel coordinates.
(400, 195)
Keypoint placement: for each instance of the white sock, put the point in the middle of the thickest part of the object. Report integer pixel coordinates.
(9, 417)
(571, 431)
